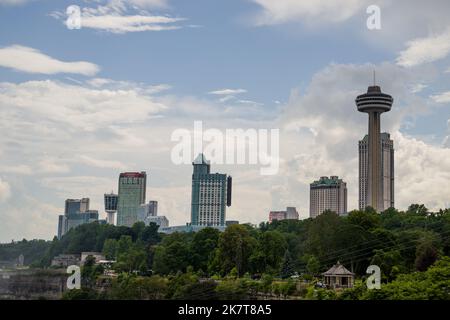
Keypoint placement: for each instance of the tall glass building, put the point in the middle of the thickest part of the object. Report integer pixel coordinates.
(76, 212)
(211, 194)
(132, 188)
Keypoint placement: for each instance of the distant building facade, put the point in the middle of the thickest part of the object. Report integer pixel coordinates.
(188, 228)
(76, 213)
(211, 194)
(289, 214)
(153, 208)
(73, 206)
(76, 219)
(231, 222)
(147, 213)
(161, 221)
(98, 256)
(386, 173)
(65, 260)
(132, 188)
(149, 209)
(328, 194)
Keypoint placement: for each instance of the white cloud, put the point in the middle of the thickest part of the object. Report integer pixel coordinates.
(423, 50)
(51, 165)
(117, 16)
(99, 163)
(227, 91)
(32, 219)
(16, 169)
(124, 24)
(319, 11)
(74, 106)
(30, 60)
(13, 2)
(418, 87)
(150, 3)
(442, 97)
(5, 190)
(127, 85)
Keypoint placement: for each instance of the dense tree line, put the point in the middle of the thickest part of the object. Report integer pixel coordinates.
(32, 250)
(403, 244)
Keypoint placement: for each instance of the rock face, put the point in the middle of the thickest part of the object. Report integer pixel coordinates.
(33, 284)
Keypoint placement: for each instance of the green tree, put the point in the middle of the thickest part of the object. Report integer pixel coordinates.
(234, 249)
(287, 267)
(203, 246)
(268, 254)
(313, 265)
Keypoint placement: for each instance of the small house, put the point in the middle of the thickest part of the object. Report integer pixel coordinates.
(338, 277)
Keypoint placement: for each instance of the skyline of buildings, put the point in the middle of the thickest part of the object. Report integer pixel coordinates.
(328, 194)
(211, 192)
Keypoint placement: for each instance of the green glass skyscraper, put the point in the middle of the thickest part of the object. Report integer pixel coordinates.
(132, 188)
(211, 194)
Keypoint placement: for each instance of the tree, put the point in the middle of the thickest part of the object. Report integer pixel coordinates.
(368, 219)
(268, 254)
(313, 265)
(426, 255)
(234, 249)
(173, 254)
(150, 235)
(110, 249)
(203, 245)
(287, 267)
(417, 209)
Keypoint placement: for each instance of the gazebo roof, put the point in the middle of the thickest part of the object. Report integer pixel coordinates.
(338, 270)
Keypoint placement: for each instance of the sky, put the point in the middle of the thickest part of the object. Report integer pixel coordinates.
(79, 106)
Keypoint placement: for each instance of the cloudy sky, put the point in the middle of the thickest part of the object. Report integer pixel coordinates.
(79, 106)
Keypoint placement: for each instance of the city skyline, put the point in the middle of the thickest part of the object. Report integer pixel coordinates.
(81, 106)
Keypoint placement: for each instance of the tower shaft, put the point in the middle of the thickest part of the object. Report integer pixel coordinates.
(375, 192)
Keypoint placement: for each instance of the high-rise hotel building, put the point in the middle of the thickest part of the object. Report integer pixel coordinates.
(386, 172)
(211, 194)
(132, 188)
(328, 194)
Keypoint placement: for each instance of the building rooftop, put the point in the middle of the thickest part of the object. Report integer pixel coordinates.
(325, 181)
(201, 159)
(141, 174)
(338, 270)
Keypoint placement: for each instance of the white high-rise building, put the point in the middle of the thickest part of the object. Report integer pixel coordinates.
(386, 173)
(328, 194)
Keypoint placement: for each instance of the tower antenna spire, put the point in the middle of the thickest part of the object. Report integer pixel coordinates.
(374, 82)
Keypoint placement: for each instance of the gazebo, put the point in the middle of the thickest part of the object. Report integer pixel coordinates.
(338, 277)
